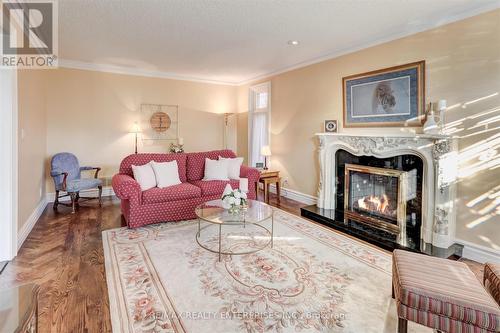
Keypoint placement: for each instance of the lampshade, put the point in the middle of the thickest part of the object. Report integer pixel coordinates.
(265, 151)
(135, 128)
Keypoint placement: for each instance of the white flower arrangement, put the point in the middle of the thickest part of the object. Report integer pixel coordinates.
(234, 199)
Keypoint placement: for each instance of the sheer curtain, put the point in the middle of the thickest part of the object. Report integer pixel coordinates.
(259, 124)
(259, 136)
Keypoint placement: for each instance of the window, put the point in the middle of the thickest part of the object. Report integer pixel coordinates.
(259, 121)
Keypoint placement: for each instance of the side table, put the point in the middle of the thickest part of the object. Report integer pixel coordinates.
(268, 177)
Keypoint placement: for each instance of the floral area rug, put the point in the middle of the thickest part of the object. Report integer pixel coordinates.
(312, 280)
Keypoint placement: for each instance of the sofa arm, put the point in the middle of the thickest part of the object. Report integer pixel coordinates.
(253, 175)
(126, 188)
(492, 280)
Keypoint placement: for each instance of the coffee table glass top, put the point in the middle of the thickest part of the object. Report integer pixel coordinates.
(213, 212)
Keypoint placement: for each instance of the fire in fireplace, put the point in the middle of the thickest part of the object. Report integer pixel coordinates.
(376, 196)
(377, 204)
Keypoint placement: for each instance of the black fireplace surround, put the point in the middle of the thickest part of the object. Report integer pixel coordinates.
(335, 218)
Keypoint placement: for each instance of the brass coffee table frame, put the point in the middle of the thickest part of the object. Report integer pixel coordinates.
(234, 223)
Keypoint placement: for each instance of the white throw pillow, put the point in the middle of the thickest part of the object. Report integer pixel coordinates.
(167, 173)
(145, 176)
(216, 169)
(234, 166)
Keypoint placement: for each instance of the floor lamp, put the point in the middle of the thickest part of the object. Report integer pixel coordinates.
(136, 130)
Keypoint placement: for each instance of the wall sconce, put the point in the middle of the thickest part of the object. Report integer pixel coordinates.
(226, 129)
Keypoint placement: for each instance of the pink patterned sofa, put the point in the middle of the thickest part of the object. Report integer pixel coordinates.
(176, 202)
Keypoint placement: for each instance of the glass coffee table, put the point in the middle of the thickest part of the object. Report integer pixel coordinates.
(257, 216)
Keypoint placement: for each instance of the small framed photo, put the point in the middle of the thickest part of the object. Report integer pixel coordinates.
(331, 126)
(259, 165)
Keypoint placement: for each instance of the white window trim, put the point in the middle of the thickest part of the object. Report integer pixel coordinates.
(251, 109)
(8, 164)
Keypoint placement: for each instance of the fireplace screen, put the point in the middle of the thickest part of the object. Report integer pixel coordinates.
(375, 196)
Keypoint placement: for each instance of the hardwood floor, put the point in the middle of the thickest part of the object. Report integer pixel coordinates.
(64, 255)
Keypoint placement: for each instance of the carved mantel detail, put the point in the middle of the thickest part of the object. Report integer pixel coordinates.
(438, 213)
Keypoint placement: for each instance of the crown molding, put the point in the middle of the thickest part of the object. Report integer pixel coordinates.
(376, 41)
(73, 64)
(107, 68)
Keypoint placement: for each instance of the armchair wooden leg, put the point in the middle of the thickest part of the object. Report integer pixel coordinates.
(402, 325)
(100, 196)
(56, 201)
(278, 190)
(73, 201)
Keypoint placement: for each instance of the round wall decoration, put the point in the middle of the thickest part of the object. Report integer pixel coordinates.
(160, 121)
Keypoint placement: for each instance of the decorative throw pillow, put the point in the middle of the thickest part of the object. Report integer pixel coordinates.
(216, 170)
(233, 167)
(167, 173)
(144, 175)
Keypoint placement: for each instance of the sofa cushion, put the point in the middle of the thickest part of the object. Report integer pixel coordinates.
(196, 162)
(171, 193)
(141, 159)
(76, 185)
(444, 288)
(144, 175)
(213, 187)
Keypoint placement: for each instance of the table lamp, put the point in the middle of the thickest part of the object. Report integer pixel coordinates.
(265, 151)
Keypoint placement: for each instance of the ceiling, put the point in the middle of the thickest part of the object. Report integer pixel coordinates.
(234, 41)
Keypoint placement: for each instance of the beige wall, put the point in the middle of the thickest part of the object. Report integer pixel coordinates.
(90, 113)
(32, 141)
(463, 64)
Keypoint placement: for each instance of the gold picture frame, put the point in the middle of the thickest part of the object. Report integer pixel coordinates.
(389, 97)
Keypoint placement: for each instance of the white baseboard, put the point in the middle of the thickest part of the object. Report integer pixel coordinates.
(30, 223)
(107, 191)
(295, 195)
(479, 253)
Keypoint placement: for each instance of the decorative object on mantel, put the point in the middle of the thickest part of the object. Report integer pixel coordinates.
(331, 126)
(136, 130)
(441, 109)
(265, 151)
(233, 200)
(388, 97)
(430, 125)
(159, 122)
(177, 147)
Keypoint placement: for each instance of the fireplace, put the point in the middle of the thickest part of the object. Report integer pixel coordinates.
(395, 191)
(380, 197)
(376, 196)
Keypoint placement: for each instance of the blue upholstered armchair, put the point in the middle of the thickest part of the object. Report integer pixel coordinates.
(66, 172)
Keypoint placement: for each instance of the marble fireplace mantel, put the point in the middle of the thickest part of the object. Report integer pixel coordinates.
(439, 155)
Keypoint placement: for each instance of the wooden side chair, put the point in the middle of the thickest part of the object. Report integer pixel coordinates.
(66, 172)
